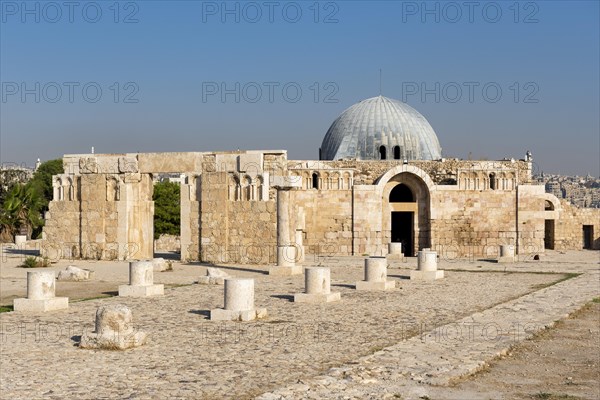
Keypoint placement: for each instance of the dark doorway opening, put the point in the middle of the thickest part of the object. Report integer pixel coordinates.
(402, 231)
(549, 234)
(401, 194)
(315, 181)
(382, 152)
(396, 152)
(588, 236)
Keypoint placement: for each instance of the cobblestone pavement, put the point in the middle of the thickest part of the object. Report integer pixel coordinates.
(368, 344)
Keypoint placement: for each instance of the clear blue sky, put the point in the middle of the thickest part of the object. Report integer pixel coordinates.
(543, 56)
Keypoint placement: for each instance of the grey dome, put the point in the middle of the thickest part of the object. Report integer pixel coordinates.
(361, 130)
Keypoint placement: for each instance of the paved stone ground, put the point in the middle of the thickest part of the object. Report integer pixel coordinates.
(369, 345)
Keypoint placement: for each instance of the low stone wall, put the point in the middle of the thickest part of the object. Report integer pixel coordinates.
(167, 243)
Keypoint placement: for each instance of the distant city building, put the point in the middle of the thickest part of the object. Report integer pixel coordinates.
(580, 191)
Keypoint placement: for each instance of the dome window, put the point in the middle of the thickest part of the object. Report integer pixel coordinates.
(382, 155)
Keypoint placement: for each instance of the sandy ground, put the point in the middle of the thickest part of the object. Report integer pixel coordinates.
(190, 357)
(561, 363)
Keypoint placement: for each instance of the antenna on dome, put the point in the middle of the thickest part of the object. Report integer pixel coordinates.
(380, 81)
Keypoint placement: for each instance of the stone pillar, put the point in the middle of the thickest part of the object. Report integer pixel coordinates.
(426, 267)
(114, 330)
(506, 253)
(239, 302)
(375, 275)
(239, 294)
(40, 294)
(395, 251)
(286, 251)
(20, 241)
(300, 245)
(317, 287)
(427, 260)
(141, 281)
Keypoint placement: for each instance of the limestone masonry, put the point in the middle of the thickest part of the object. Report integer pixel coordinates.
(258, 207)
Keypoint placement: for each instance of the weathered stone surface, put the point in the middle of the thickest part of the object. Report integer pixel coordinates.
(128, 164)
(75, 274)
(103, 209)
(159, 265)
(114, 330)
(214, 276)
(317, 287)
(141, 281)
(40, 294)
(239, 302)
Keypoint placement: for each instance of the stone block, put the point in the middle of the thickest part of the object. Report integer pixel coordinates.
(316, 297)
(220, 314)
(426, 275)
(20, 241)
(285, 271)
(128, 165)
(375, 286)
(141, 291)
(506, 259)
(74, 274)
(41, 305)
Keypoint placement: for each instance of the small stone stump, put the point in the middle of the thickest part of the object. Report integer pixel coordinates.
(141, 281)
(375, 275)
(114, 330)
(426, 267)
(317, 287)
(239, 302)
(41, 289)
(395, 251)
(506, 253)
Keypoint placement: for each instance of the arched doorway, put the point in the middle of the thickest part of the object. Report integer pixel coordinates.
(406, 207)
(402, 203)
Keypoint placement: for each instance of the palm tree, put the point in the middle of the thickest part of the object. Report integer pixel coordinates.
(21, 208)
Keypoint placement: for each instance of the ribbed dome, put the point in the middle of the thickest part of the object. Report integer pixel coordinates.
(361, 131)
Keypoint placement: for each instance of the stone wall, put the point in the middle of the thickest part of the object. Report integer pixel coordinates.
(167, 243)
(444, 171)
(103, 207)
(568, 232)
(327, 225)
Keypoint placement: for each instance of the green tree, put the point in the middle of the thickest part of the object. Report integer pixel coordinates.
(42, 179)
(166, 208)
(22, 207)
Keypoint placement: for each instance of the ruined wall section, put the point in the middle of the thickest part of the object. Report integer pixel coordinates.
(105, 211)
(569, 227)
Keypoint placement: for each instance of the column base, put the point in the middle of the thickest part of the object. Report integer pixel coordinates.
(141, 291)
(31, 305)
(113, 340)
(220, 314)
(317, 297)
(426, 275)
(395, 257)
(507, 259)
(286, 271)
(375, 286)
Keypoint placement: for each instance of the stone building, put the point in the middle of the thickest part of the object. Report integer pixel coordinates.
(380, 179)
